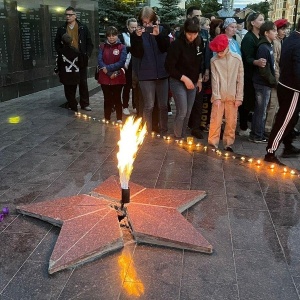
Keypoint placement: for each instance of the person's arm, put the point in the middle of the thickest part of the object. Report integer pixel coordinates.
(215, 83)
(163, 40)
(239, 85)
(136, 41)
(265, 72)
(57, 41)
(249, 52)
(296, 67)
(171, 61)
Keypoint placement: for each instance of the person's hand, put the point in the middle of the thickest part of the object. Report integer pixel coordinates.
(104, 70)
(217, 103)
(205, 77)
(261, 62)
(155, 30)
(237, 103)
(187, 82)
(139, 31)
(199, 85)
(113, 75)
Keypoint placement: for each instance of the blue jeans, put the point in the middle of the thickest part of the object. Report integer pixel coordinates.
(262, 98)
(184, 100)
(149, 89)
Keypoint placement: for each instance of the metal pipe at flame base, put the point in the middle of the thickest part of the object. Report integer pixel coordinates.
(125, 196)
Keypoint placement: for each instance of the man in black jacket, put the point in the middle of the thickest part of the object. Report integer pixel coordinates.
(288, 90)
(81, 40)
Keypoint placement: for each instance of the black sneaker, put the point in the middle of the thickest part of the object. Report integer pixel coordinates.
(290, 152)
(258, 140)
(229, 149)
(197, 133)
(273, 159)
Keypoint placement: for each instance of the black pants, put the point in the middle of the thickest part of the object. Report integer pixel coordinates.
(126, 89)
(83, 89)
(112, 98)
(286, 119)
(195, 117)
(70, 93)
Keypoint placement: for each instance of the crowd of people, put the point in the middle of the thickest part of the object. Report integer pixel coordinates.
(239, 75)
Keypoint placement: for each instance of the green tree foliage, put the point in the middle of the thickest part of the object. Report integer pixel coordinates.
(206, 6)
(114, 13)
(169, 12)
(262, 7)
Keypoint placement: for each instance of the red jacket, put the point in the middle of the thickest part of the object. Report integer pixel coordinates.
(112, 57)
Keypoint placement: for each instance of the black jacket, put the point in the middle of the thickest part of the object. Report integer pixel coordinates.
(185, 58)
(85, 42)
(68, 64)
(265, 76)
(290, 62)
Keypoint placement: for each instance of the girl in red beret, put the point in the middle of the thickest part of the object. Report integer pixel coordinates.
(227, 79)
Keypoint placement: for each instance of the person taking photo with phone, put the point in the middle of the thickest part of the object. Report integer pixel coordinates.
(149, 43)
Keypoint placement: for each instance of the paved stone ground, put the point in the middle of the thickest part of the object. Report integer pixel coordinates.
(250, 215)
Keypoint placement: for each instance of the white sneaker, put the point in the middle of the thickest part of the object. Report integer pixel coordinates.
(170, 113)
(126, 111)
(244, 132)
(119, 121)
(87, 108)
(134, 111)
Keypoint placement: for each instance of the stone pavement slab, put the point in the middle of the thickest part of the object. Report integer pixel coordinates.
(250, 214)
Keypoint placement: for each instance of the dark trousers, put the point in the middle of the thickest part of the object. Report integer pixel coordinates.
(195, 117)
(83, 89)
(286, 119)
(126, 90)
(70, 94)
(244, 114)
(112, 98)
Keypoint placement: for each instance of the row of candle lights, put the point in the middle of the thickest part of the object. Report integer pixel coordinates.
(190, 143)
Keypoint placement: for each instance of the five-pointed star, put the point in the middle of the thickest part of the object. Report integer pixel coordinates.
(90, 225)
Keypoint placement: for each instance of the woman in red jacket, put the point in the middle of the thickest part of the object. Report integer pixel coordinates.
(111, 60)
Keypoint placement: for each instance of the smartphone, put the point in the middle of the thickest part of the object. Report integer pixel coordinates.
(149, 29)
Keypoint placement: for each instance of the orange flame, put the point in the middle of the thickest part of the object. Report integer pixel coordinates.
(131, 283)
(129, 142)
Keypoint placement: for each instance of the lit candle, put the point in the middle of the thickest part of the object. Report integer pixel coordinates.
(272, 166)
(205, 148)
(190, 140)
(293, 172)
(168, 138)
(284, 170)
(243, 158)
(226, 155)
(103, 120)
(152, 133)
(258, 162)
(250, 160)
(198, 145)
(107, 122)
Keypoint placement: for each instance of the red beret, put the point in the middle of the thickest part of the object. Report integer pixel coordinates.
(281, 22)
(219, 43)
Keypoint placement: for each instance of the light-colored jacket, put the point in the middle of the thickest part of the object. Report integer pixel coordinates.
(227, 77)
(277, 53)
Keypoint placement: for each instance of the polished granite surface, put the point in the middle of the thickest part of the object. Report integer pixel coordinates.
(250, 214)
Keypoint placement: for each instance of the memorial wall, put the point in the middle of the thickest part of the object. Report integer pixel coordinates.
(27, 32)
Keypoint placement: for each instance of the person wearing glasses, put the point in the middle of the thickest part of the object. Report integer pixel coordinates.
(81, 40)
(149, 43)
